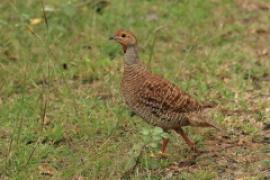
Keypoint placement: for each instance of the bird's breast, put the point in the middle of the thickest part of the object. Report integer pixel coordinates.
(133, 79)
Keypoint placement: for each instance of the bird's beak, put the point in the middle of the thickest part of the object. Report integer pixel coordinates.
(112, 38)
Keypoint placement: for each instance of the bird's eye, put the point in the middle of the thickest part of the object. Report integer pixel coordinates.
(123, 35)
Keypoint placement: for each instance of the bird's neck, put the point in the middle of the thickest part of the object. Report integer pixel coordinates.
(131, 55)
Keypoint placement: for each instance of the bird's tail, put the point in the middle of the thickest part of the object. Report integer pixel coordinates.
(210, 124)
(209, 105)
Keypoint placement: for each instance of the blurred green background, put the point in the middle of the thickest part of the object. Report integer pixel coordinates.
(61, 112)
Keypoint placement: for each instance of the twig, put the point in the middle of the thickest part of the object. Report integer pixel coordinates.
(153, 46)
(51, 53)
(9, 151)
(43, 116)
(44, 14)
(19, 131)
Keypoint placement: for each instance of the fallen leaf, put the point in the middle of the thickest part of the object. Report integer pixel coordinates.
(35, 21)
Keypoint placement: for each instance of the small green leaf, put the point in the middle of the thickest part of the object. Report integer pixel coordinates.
(145, 132)
(165, 135)
(157, 130)
(157, 138)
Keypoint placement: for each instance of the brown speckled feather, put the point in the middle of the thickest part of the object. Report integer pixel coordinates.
(155, 99)
(162, 94)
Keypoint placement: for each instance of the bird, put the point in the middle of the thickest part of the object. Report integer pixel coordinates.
(155, 99)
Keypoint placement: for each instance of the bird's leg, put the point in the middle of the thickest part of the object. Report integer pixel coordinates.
(165, 142)
(190, 143)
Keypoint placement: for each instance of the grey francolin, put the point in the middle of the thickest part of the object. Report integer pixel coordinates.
(155, 99)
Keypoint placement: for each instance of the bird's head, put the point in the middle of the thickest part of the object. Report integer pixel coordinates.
(125, 38)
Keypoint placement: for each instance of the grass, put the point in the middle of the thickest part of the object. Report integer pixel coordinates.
(61, 112)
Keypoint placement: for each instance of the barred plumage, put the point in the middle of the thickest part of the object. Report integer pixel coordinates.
(155, 99)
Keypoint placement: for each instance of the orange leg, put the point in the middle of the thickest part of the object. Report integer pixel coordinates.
(164, 145)
(190, 143)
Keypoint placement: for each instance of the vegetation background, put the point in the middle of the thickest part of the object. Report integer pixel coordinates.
(61, 113)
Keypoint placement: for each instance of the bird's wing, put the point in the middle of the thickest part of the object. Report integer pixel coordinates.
(161, 94)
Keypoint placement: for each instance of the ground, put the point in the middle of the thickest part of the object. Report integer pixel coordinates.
(61, 112)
